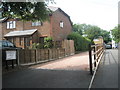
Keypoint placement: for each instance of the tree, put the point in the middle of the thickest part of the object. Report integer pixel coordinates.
(106, 36)
(91, 32)
(28, 11)
(79, 28)
(116, 34)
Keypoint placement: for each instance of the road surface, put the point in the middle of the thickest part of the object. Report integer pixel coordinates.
(69, 72)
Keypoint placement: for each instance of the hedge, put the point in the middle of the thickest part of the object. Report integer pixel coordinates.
(81, 43)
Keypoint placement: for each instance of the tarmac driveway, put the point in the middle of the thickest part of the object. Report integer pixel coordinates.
(70, 72)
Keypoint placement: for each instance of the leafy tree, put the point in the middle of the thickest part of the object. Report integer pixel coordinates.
(91, 31)
(78, 28)
(116, 34)
(26, 10)
(106, 36)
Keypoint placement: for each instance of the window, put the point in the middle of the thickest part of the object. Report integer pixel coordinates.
(38, 23)
(20, 41)
(61, 24)
(27, 41)
(11, 24)
(14, 41)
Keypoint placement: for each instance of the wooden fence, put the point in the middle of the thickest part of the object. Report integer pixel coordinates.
(95, 54)
(69, 47)
(32, 56)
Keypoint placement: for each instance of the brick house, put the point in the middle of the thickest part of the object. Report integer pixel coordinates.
(23, 34)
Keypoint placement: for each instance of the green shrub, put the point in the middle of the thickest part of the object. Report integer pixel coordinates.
(48, 42)
(81, 43)
(37, 46)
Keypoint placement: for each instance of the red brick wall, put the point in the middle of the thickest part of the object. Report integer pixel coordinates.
(58, 32)
(43, 30)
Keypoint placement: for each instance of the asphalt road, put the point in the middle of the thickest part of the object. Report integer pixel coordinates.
(46, 79)
(107, 74)
(68, 72)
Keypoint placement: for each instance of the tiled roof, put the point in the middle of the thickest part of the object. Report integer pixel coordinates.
(20, 33)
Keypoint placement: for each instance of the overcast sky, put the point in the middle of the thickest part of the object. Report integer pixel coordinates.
(103, 13)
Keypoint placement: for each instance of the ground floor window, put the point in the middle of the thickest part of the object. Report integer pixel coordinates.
(27, 41)
(14, 41)
(21, 41)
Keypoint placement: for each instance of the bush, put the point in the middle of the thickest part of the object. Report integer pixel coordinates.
(48, 42)
(36, 46)
(81, 43)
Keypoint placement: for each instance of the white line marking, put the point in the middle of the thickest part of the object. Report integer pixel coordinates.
(91, 82)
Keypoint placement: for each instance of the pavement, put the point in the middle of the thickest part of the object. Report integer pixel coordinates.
(69, 72)
(107, 74)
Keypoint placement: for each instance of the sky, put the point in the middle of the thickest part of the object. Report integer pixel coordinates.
(102, 13)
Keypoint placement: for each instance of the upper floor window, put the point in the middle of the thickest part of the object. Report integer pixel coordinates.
(11, 24)
(61, 24)
(38, 23)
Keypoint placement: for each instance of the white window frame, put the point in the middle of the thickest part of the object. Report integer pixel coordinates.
(11, 24)
(61, 24)
(37, 23)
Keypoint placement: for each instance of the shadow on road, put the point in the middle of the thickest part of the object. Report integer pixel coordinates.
(39, 78)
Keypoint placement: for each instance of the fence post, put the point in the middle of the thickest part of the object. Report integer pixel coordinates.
(95, 56)
(90, 59)
(36, 59)
(18, 57)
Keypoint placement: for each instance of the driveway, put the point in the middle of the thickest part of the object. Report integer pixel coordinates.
(76, 62)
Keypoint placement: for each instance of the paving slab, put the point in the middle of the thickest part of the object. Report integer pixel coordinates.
(107, 74)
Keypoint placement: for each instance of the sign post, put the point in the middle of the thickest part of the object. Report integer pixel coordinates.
(11, 56)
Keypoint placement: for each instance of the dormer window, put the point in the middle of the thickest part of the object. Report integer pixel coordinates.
(11, 24)
(38, 23)
(61, 24)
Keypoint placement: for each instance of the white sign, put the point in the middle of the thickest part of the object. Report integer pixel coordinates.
(10, 55)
